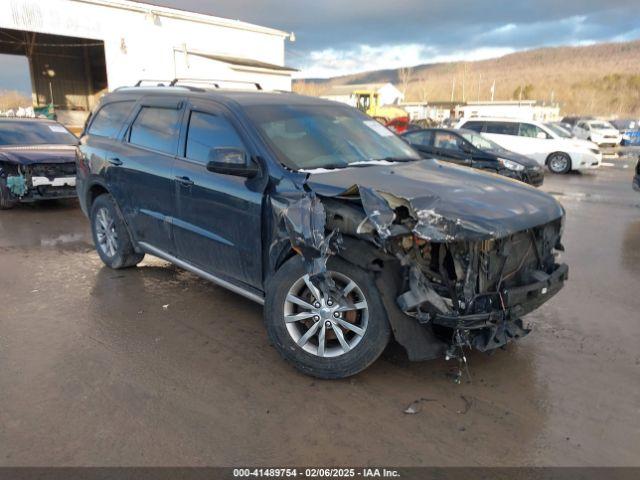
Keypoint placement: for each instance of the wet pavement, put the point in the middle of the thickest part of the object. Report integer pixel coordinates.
(154, 366)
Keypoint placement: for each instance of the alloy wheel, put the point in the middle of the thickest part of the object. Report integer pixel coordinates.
(326, 324)
(106, 234)
(558, 163)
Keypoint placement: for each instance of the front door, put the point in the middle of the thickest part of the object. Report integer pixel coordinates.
(218, 217)
(450, 146)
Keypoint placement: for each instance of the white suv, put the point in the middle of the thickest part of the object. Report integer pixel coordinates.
(598, 131)
(538, 141)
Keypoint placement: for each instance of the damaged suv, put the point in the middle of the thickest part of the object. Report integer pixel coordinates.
(331, 221)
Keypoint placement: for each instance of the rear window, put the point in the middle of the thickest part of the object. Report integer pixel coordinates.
(109, 119)
(156, 128)
(34, 133)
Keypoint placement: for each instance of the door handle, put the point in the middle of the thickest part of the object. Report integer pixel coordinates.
(186, 181)
(115, 161)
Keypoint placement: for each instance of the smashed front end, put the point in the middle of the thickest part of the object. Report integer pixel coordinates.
(32, 181)
(446, 281)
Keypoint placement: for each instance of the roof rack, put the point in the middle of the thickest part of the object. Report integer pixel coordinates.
(183, 83)
(214, 82)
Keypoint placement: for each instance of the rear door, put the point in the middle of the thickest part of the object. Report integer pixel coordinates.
(218, 217)
(144, 162)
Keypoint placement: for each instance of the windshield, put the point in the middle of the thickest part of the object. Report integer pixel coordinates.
(558, 130)
(481, 142)
(34, 133)
(326, 136)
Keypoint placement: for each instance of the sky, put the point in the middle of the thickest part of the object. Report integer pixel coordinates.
(338, 37)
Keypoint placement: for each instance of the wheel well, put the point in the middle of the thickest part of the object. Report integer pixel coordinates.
(94, 192)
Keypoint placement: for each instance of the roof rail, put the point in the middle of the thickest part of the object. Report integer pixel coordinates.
(214, 82)
(158, 83)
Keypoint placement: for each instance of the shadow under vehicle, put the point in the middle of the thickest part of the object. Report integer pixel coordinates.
(465, 147)
(37, 161)
(324, 216)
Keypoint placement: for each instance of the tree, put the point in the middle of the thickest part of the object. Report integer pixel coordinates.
(523, 93)
(405, 75)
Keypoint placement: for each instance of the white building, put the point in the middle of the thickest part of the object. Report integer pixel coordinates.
(388, 94)
(92, 46)
(524, 109)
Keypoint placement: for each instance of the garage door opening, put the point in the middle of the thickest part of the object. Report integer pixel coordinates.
(68, 72)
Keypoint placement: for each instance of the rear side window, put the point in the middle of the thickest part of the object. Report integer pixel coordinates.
(502, 128)
(110, 118)
(207, 131)
(424, 138)
(156, 128)
(475, 126)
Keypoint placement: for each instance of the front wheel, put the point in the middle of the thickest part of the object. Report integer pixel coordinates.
(559, 163)
(327, 335)
(110, 235)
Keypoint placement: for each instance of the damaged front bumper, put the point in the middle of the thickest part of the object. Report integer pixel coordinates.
(30, 183)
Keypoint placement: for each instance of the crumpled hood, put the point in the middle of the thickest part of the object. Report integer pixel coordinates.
(452, 202)
(28, 155)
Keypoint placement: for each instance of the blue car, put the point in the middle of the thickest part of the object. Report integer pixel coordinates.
(315, 210)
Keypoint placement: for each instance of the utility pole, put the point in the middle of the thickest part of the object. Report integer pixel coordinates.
(479, 80)
(453, 88)
(493, 90)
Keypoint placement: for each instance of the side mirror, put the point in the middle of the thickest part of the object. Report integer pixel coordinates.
(232, 161)
(542, 135)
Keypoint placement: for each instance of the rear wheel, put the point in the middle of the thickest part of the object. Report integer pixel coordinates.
(559, 163)
(110, 235)
(7, 200)
(332, 335)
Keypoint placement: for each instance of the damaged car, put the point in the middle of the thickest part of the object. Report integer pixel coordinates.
(37, 161)
(323, 215)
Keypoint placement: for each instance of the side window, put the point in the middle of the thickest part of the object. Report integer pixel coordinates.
(502, 128)
(156, 128)
(447, 141)
(475, 126)
(110, 118)
(531, 131)
(207, 131)
(424, 138)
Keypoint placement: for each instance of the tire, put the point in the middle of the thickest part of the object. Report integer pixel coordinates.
(559, 163)
(337, 360)
(7, 200)
(110, 235)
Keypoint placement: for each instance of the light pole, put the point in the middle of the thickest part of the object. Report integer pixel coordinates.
(49, 73)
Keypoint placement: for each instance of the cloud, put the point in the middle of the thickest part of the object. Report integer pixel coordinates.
(331, 62)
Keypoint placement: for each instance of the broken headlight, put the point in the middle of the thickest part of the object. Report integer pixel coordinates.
(510, 165)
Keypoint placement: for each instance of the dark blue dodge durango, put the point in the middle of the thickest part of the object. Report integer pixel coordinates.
(312, 208)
